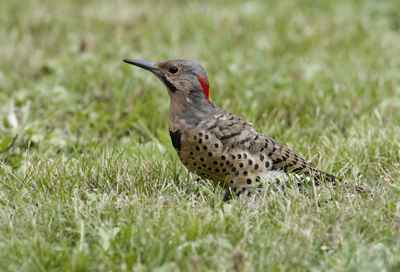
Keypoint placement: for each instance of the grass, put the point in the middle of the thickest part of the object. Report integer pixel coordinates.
(90, 181)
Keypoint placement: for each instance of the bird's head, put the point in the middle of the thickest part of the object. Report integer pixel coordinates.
(183, 78)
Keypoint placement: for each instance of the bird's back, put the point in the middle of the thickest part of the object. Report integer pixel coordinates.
(228, 150)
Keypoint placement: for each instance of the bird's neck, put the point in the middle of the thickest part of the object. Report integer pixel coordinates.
(186, 112)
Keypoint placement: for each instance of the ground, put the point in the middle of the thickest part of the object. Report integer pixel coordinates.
(89, 179)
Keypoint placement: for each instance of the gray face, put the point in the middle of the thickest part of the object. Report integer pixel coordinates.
(178, 69)
(179, 76)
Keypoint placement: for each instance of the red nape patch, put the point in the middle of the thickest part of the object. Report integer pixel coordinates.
(204, 85)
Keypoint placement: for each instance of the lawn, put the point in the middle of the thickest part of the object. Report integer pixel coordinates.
(89, 180)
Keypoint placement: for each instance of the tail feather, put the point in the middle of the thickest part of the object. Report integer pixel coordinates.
(320, 176)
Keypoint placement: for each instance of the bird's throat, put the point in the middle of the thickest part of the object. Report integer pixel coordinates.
(190, 110)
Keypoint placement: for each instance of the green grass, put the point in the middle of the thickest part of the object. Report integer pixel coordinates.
(90, 181)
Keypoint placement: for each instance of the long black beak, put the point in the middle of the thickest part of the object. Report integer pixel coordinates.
(147, 65)
(152, 67)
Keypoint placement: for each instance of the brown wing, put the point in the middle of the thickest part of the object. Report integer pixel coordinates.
(234, 133)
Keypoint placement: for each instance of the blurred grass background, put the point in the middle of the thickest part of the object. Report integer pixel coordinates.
(88, 177)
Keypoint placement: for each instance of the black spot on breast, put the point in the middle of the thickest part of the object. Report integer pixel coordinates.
(176, 139)
(278, 161)
(248, 181)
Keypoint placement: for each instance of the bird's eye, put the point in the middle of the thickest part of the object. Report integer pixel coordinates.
(173, 69)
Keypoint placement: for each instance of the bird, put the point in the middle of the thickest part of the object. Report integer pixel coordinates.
(218, 145)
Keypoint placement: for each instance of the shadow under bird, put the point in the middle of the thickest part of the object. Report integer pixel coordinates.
(216, 144)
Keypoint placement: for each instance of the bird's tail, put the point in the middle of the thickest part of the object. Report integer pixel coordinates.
(320, 176)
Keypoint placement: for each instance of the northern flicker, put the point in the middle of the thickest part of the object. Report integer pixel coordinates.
(216, 144)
